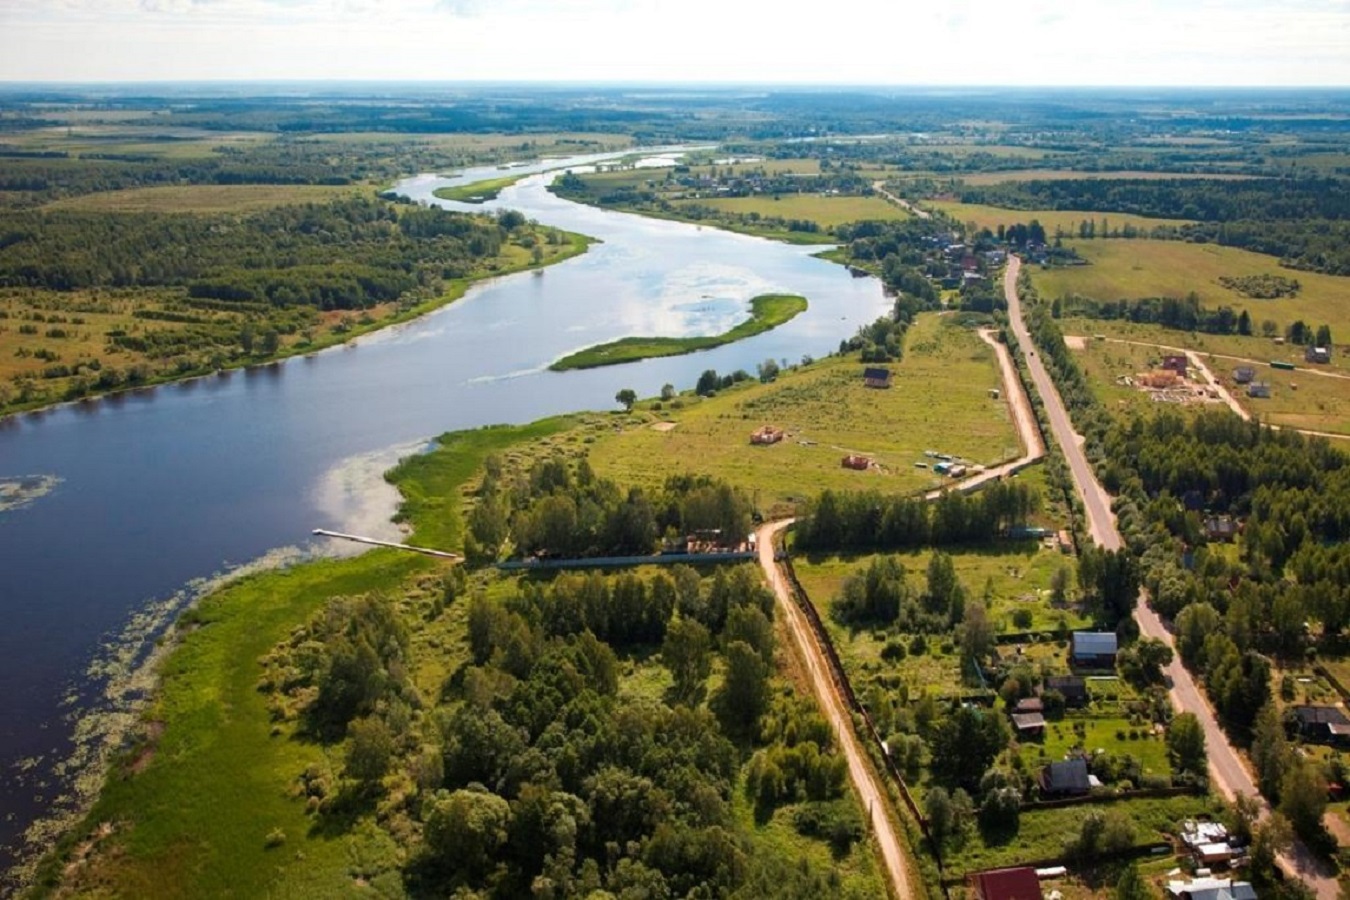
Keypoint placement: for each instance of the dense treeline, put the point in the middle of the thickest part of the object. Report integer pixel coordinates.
(902, 253)
(1200, 199)
(1170, 312)
(1305, 222)
(532, 772)
(847, 521)
(556, 510)
(345, 254)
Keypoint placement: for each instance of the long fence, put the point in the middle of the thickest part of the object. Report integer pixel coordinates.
(845, 688)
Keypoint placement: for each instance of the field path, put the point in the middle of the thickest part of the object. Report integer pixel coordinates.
(880, 188)
(1226, 768)
(866, 782)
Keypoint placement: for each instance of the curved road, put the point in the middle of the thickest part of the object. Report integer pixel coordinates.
(1226, 768)
(866, 782)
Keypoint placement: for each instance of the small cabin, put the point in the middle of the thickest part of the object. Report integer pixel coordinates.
(1244, 375)
(1317, 355)
(861, 463)
(1175, 362)
(1259, 390)
(1065, 779)
(1019, 883)
(876, 377)
(766, 435)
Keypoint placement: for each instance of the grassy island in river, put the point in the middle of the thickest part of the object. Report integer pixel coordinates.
(478, 191)
(766, 311)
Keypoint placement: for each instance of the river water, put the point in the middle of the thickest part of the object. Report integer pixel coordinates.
(158, 489)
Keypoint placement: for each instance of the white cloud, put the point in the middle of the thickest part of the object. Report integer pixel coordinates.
(958, 42)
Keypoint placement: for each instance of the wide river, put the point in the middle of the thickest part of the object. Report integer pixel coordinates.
(159, 489)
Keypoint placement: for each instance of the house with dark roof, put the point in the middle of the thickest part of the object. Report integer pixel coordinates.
(876, 377)
(1029, 725)
(1324, 724)
(1175, 362)
(1317, 355)
(1244, 375)
(1071, 687)
(1005, 884)
(1094, 649)
(1065, 779)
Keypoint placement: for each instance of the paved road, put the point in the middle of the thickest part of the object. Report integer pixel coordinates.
(1226, 768)
(865, 781)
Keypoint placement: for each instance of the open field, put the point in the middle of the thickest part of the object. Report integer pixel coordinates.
(136, 137)
(825, 210)
(1051, 219)
(766, 311)
(203, 198)
(1145, 268)
(939, 400)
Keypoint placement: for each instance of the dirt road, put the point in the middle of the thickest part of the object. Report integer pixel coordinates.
(879, 187)
(870, 790)
(1227, 771)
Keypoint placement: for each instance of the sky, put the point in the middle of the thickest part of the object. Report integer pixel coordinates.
(948, 42)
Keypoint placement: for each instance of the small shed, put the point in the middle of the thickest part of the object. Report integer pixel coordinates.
(876, 377)
(1317, 355)
(994, 394)
(1244, 375)
(1095, 649)
(1029, 705)
(1259, 389)
(861, 463)
(1030, 724)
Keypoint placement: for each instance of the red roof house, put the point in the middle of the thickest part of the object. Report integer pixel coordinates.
(1006, 884)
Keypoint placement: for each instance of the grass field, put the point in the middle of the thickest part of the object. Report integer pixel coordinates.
(1067, 220)
(203, 198)
(767, 311)
(825, 210)
(478, 191)
(1144, 268)
(939, 400)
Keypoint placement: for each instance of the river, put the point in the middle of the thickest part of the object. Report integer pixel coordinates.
(158, 489)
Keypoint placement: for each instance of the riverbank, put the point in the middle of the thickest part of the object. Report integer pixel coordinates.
(352, 327)
(767, 311)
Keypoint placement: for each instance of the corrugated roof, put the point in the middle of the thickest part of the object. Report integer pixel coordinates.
(1007, 884)
(1094, 643)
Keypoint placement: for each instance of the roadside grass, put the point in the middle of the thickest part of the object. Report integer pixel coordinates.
(204, 198)
(939, 400)
(1067, 220)
(478, 191)
(1131, 269)
(859, 875)
(767, 311)
(825, 210)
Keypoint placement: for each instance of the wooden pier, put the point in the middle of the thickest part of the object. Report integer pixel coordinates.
(324, 532)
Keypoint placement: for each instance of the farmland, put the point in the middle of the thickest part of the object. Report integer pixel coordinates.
(1067, 221)
(827, 211)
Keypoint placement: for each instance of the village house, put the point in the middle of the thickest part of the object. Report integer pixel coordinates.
(1259, 389)
(1029, 724)
(1065, 779)
(876, 377)
(1211, 889)
(1317, 355)
(1221, 528)
(861, 463)
(1071, 687)
(1005, 884)
(1244, 375)
(1208, 844)
(1094, 649)
(1323, 724)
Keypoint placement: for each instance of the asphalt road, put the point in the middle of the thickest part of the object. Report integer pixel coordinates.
(1227, 770)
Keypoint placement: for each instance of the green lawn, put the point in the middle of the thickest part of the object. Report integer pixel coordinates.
(825, 210)
(767, 311)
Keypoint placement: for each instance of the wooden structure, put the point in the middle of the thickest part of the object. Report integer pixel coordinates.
(1005, 884)
(861, 463)
(1175, 362)
(876, 377)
